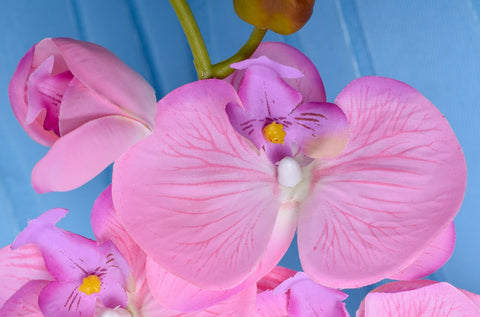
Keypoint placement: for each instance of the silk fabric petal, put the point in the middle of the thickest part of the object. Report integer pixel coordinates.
(195, 195)
(400, 181)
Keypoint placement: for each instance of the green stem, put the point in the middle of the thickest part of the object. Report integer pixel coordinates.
(201, 59)
(222, 69)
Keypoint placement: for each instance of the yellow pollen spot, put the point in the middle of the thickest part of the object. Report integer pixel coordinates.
(274, 133)
(91, 284)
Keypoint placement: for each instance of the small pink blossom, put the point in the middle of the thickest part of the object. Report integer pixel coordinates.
(209, 205)
(83, 102)
(80, 271)
(419, 298)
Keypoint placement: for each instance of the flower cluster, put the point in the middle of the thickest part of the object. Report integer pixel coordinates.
(211, 184)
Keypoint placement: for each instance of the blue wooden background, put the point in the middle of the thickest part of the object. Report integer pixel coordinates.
(434, 45)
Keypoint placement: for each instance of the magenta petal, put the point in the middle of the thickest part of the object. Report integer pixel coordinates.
(83, 153)
(310, 85)
(64, 258)
(64, 299)
(433, 257)
(107, 75)
(307, 298)
(320, 129)
(18, 267)
(274, 278)
(24, 303)
(282, 70)
(195, 195)
(246, 124)
(16, 94)
(45, 93)
(400, 181)
(266, 95)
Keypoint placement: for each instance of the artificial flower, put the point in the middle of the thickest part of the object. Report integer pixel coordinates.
(84, 102)
(204, 203)
(82, 271)
(419, 298)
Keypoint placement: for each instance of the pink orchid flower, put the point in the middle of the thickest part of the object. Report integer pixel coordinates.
(79, 272)
(419, 298)
(281, 290)
(208, 205)
(84, 102)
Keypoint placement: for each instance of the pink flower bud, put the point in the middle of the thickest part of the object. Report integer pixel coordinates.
(84, 102)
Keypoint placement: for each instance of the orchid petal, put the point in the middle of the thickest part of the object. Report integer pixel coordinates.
(183, 296)
(64, 258)
(240, 305)
(433, 257)
(64, 299)
(103, 72)
(310, 85)
(274, 278)
(24, 303)
(45, 92)
(269, 304)
(175, 293)
(321, 129)
(400, 181)
(194, 195)
(266, 95)
(307, 298)
(282, 70)
(435, 299)
(246, 124)
(79, 106)
(16, 93)
(106, 226)
(83, 153)
(18, 267)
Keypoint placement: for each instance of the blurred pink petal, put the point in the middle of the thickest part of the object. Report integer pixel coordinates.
(18, 267)
(203, 206)
(398, 184)
(417, 298)
(83, 153)
(432, 258)
(24, 303)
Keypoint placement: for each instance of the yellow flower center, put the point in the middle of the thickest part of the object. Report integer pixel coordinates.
(91, 284)
(274, 133)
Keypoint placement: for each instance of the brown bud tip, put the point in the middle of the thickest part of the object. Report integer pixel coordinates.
(281, 16)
